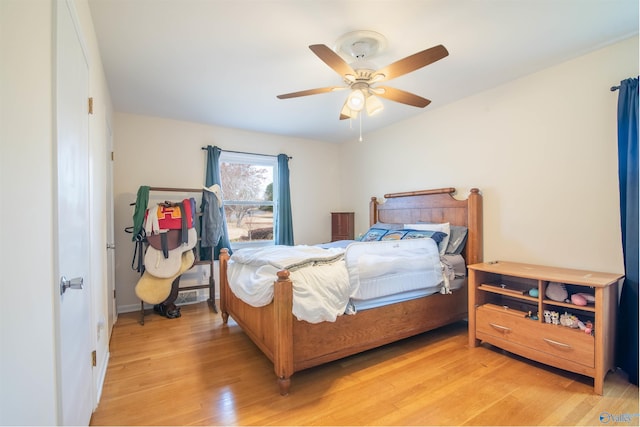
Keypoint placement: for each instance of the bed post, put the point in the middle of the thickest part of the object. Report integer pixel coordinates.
(474, 245)
(283, 351)
(373, 211)
(224, 257)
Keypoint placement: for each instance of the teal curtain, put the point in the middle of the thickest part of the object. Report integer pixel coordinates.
(627, 333)
(213, 177)
(284, 221)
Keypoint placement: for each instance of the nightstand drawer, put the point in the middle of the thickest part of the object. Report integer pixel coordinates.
(567, 343)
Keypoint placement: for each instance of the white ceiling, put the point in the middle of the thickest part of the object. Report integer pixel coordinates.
(222, 62)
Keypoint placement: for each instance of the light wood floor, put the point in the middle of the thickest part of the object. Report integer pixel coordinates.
(195, 371)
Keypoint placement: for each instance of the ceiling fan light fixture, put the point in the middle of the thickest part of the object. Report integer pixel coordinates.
(347, 112)
(374, 105)
(356, 100)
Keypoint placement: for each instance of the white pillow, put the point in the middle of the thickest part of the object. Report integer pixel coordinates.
(444, 227)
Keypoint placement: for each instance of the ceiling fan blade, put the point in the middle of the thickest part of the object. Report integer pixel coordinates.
(411, 63)
(403, 97)
(310, 92)
(333, 60)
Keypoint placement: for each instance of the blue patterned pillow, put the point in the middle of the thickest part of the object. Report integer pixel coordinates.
(373, 235)
(394, 235)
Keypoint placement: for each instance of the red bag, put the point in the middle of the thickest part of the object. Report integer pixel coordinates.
(169, 217)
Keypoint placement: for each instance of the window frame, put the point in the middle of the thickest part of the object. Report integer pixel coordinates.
(254, 160)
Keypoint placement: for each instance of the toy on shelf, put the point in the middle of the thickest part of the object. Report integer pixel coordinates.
(587, 327)
(582, 298)
(556, 291)
(578, 299)
(569, 320)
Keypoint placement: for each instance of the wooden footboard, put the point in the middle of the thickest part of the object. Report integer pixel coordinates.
(269, 327)
(293, 345)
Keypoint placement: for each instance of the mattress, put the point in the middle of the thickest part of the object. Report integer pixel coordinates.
(387, 268)
(356, 305)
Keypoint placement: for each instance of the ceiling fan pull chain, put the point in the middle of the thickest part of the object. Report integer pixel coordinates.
(360, 128)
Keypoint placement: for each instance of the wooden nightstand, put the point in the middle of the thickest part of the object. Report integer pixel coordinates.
(500, 304)
(342, 226)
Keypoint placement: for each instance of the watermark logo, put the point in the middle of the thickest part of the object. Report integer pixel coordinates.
(607, 418)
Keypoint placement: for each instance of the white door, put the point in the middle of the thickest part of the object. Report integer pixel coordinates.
(74, 364)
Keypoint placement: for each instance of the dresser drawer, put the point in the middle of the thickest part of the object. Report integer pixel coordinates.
(555, 340)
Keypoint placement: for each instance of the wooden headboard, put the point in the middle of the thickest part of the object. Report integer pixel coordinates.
(434, 206)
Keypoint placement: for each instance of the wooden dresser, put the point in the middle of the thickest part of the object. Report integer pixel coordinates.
(503, 312)
(342, 226)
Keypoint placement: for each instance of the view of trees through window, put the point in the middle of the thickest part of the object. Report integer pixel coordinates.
(247, 189)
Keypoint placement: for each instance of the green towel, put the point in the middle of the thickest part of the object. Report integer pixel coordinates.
(141, 207)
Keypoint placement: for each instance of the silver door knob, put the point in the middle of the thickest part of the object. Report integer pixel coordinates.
(75, 283)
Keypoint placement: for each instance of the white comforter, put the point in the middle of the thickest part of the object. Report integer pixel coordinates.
(321, 286)
(325, 279)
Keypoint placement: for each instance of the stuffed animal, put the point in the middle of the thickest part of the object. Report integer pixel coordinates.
(569, 320)
(583, 297)
(578, 299)
(556, 291)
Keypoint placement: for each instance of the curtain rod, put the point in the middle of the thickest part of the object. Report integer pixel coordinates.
(614, 88)
(244, 152)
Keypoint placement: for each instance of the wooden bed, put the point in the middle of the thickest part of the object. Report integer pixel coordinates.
(293, 345)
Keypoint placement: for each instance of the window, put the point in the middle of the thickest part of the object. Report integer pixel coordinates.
(249, 188)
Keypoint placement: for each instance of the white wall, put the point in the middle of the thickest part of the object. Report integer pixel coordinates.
(28, 286)
(167, 153)
(27, 356)
(542, 149)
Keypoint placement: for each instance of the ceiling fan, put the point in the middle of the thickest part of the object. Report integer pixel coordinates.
(362, 77)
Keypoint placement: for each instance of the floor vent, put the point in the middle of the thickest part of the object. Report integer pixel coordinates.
(187, 297)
